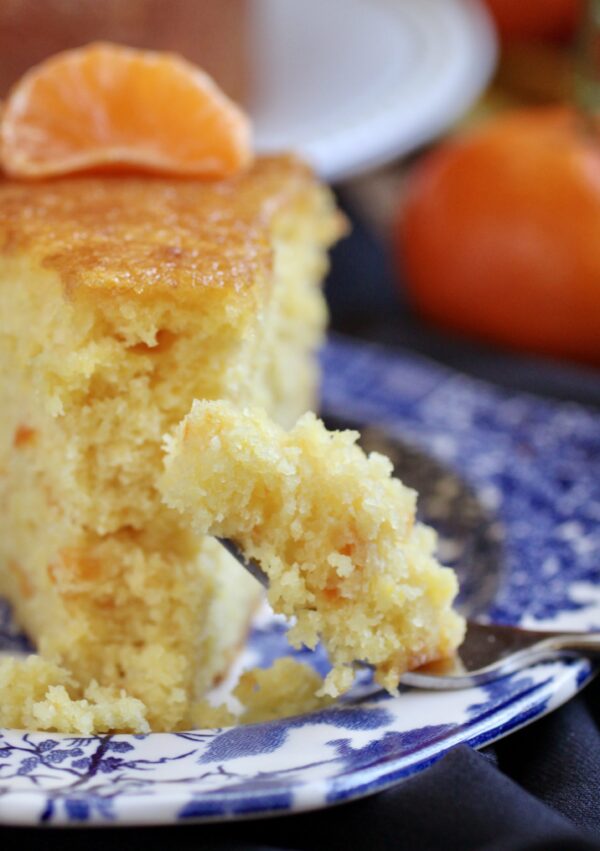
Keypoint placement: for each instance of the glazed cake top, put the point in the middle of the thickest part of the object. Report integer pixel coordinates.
(146, 234)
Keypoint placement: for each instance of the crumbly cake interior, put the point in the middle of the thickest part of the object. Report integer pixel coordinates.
(122, 300)
(331, 527)
(39, 695)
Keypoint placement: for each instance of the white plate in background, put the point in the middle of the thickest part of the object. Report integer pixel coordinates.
(351, 84)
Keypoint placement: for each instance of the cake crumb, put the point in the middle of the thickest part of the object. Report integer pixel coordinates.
(332, 529)
(36, 694)
(288, 687)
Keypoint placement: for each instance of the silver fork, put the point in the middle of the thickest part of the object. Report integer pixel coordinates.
(488, 652)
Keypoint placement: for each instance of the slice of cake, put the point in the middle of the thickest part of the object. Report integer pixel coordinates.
(121, 300)
(334, 532)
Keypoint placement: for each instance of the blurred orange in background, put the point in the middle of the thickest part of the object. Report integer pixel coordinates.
(498, 234)
(526, 19)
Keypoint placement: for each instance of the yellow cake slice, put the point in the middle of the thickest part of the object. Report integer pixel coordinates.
(121, 300)
(330, 526)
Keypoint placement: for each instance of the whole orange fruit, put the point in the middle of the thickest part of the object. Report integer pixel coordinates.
(526, 19)
(499, 234)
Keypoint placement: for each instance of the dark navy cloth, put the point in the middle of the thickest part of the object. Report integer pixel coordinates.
(538, 789)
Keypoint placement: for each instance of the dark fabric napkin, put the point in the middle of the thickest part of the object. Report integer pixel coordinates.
(538, 789)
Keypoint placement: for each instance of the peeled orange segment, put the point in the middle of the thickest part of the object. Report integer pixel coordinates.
(106, 107)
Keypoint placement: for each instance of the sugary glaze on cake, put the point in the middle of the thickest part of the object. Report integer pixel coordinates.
(122, 300)
(153, 235)
(335, 533)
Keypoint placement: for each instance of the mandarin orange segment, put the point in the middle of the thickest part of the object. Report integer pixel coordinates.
(108, 107)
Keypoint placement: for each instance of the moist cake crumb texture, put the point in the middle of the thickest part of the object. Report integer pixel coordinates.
(122, 300)
(39, 695)
(333, 530)
(286, 688)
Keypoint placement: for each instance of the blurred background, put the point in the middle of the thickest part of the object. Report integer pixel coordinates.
(480, 248)
(460, 137)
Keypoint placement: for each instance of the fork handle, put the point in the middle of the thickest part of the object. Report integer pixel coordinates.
(587, 643)
(544, 650)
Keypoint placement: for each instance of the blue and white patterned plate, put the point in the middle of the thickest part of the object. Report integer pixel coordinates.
(513, 485)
